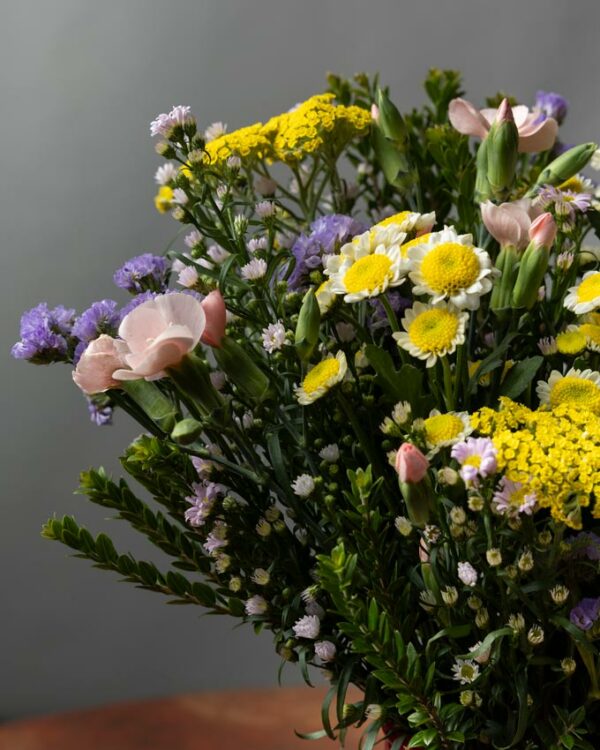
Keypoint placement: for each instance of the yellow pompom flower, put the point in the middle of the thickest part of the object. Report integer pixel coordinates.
(163, 199)
(248, 143)
(319, 379)
(584, 297)
(571, 342)
(432, 331)
(448, 266)
(442, 430)
(577, 388)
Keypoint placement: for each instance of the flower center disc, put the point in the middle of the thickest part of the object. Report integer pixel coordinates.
(442, 427)
(589, 288)
(368, 274)
(433, 330)
(576, 391)
(320, 375)
(450, 267)
(395, 219)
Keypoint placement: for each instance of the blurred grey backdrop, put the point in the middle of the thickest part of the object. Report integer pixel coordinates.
(79, 83)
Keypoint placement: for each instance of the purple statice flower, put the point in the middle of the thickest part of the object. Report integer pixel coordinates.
(326, 235)
(45, 335)
(566, 203)
(585, 614)
(100, 414)
(138, 300)
(379, 318)
(477, 458)
(143, 273)
(163, 123)
(100, 317)
(551, 105)
(202, 502)
(585, 544)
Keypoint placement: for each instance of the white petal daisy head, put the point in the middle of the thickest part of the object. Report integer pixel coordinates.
(254, 270)
(319, 379)
(585, 296)
(578, 388)
(432, 331)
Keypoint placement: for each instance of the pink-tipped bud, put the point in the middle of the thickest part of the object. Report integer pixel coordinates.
(411, 464)
(542, 231)
(374, 113)
(504, 113)
(216, 317)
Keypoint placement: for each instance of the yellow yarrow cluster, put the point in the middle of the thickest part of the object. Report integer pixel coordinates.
(555, 454)
(247, 143)
(313, 125)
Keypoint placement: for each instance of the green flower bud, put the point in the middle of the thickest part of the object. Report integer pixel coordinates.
(565, 166)
(530, 276)
(507, 264)
(186, 431)
(307, 328)
(152, 401)
(389, 120)
(502, 151)
(241, 369)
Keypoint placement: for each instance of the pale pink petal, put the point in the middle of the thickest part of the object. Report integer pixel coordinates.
(521, 115)
(467, 119)
(95, 370)
(140, 325)
(502, 224)
(488, 114)
(158, 357)
(183, 309)
(541, 138)
(216, 318)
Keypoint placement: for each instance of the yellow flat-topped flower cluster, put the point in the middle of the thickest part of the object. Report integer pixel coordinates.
(247, 143)
(555, 454)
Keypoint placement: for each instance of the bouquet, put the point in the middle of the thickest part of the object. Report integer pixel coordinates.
(368, 380)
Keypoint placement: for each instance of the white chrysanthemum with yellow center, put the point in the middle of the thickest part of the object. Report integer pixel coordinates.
(367, 242)
(362, 270)
(445, 429)
(432, 331)
(579, 388)
(319, 379)
(450, 267)
(578, 184)
(409, 221)
(325, 297)
(571, 342)
(584, 297)
(422, 239)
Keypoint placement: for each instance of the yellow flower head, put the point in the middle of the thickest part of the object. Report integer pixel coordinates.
(163, 199)
(323, 376)
(248, 143)
(441, 430)
(578, 388)
(432, 331)
(571, 342)
(584, 297)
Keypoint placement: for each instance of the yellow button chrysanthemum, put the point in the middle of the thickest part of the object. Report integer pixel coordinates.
(589, 289)
(571, 342)
(368, 274)
(584, 297)
(576, 392)
(445, 429)
(450, 267)
(434, 330)
(321, 378)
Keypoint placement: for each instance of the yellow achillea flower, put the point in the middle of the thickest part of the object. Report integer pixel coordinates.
(247, 143)
(555, 453)
(163, 199)
(313, 125)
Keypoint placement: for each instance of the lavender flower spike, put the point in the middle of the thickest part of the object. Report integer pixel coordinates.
(100, 317)
(143, 273)
(45, 335)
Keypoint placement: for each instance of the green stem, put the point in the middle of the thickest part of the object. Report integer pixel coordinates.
(448, 387)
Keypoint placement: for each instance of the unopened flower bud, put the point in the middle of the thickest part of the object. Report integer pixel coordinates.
(559, 594)
(482, 618)
(568, 666)
(493, 556)
(449, 596)
(525, 562)
(535, 636)
(306, 336)
(411, 464)
(374, 711)
(474, 602)
(565, 166)
(458, 515)
(542, 231)
(447, 476)
(403, 525)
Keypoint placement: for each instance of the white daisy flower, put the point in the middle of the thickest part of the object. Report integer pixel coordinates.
(449, 267)
(273, 337)
(253, 270)
(409, 221)
(188, 277)
(265, 209)
(432, 331)
(180, 197)
(193, 239)
(330, 453)
(445, 429)
(323, 376)
(580, 388)
(584, 297)
(165, 174)
(465, 671)
(216, 130)
(368, 265)
(325, 297)
(303, 485)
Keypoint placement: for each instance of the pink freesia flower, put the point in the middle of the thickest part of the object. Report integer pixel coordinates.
(535, 133)
(96, 367)
(509, 222)
(543, 231)
(411, 464)
(159, 333)
(216, 317)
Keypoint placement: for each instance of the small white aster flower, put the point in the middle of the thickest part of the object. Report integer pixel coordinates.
(458, 515)
(303, 485)
(263, 528)
(535, 635)
(247, 420)
(482, 618)
(465, 671)
(234, 162)
(235, 584)
(273, 337)
(547, 346)
(559, 594)
(484, 657)
(330, 453)
(265, 209)
(165, 173)
(403, 525)
(217, 254)
(254, 270)
(222, 191)
(325, 650)
(467, 573)
(493, 556)
(188, 277)
(568, 666)
(449, 595)
(516, 623)
(216, 130)
(448, 476)
(180, 197)
(260, 577)
(307, 627)
(193, 239)
(565, 260)
(257, 243)
(256, 605)
(222, 563)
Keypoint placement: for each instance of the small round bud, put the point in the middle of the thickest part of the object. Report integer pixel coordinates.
(235, 584)
(458, 515)
(535, 636)
(493, 556)
(525, 562)
(403, 525)
(447, 476)
(474, 602)
(559, 594)
(482, 618)
(568, 666)
(449, 596)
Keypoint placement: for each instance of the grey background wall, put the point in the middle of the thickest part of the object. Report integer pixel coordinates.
(79, 83)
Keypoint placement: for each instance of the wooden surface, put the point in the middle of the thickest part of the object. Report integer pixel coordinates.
(244, 720)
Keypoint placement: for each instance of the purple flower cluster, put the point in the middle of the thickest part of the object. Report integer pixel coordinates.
(398, 303)
(551, 105)
(202, 501)
(585, 614)
(100, 317)
(585, 544)
(45, 335)
(326, 235)
(100, 414)
(143, 273)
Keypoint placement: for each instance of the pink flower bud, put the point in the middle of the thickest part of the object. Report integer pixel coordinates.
(411, 464)
(542, 231)
(100, 359)
(504, 113)
(216, 317)
(374, 112)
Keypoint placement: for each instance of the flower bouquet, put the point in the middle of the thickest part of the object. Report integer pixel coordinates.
(368, 380)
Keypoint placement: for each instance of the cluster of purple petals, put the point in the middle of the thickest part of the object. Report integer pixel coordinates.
(398, 303)
(45, 334)
(585, 614)
(326, 235)
(100, 414)
(142, 273)
(585, 544)
(202, 501)
(551, 105)
(100, 317)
